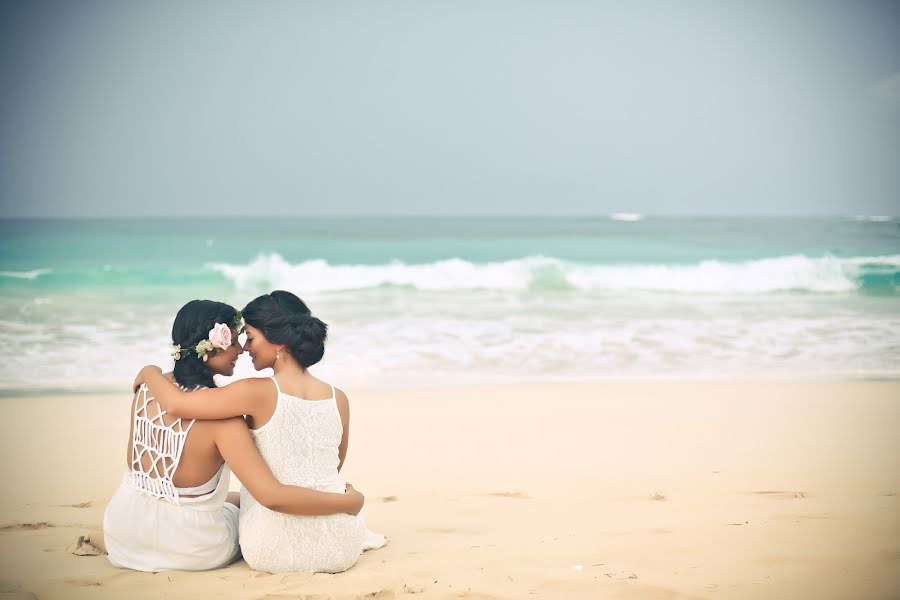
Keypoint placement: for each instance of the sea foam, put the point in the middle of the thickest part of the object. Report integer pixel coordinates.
(29, 275)
(626, 216)
(826, 274)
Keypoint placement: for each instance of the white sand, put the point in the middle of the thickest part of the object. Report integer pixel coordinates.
(607, 490)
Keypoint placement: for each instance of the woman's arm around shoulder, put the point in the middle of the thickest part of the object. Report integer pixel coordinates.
(254, 397)
(237, 448)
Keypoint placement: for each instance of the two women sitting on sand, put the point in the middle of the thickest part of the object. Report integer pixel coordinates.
(284, 436)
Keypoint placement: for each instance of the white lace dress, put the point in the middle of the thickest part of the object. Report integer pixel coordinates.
(300, 444)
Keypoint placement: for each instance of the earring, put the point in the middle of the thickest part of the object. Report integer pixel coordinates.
(277, 355)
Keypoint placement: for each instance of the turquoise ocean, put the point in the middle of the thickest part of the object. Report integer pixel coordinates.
(422, 301)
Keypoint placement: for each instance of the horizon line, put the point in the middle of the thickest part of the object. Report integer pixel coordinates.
(605, 215)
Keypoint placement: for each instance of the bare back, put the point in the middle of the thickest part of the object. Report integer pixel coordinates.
(200, 458)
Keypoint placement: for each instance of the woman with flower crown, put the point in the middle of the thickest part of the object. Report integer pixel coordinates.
(173, 509)
(300, 425)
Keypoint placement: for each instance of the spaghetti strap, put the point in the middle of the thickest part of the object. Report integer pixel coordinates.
(333, 395)
(277, 387)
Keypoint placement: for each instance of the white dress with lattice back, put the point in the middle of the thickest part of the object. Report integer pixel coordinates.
(152, 525)
(300, 444)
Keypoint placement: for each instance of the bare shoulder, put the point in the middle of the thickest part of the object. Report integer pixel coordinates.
(341, 398)
(170, 376)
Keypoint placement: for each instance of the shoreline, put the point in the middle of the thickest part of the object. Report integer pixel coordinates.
(29, 392)
(728, 489)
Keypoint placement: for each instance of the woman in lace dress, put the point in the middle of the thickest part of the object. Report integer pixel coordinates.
(172, 509)
(301, 427)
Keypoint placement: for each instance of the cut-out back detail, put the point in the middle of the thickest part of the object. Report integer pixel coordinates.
(163, 445)
(152, 525)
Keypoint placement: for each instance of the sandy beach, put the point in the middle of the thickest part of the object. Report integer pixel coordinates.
(725, 489)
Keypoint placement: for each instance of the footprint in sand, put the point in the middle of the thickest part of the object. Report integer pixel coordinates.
(85, 504)
(381, 595)
(620, 575)
(781, 494)
(84, 582)
(26, 526)
(518, 495)
(389, 498)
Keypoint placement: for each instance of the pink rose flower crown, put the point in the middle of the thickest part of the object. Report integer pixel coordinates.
(219, 338)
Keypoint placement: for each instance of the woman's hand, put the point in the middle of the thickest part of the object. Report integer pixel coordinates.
(140, 379)
(356, 499)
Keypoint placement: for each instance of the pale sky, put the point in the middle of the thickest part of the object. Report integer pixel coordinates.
(457, 108)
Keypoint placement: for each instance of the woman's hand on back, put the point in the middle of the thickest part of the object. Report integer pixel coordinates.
(357, 499)
(140, 379)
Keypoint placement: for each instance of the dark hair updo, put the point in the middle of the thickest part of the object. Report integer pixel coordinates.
(192, 324)
(284, 319)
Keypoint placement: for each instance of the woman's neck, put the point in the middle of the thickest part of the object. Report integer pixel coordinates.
(288, 367)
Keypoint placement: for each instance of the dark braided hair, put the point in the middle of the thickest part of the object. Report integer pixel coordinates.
(192, 324)
(284, 319)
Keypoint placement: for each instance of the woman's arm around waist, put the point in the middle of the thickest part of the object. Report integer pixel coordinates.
(236, 445)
